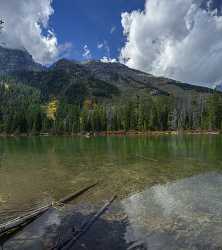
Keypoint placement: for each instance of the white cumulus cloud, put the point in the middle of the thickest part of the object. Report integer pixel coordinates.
(26, 27)
(175, 38)
(106, 59)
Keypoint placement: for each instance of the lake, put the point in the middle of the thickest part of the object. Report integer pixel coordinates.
(169, 187)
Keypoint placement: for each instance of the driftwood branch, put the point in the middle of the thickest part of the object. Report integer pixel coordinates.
(75, 195)
(23, 220)
(86, 226)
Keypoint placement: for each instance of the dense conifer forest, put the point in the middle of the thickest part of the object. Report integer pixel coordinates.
(24, 110)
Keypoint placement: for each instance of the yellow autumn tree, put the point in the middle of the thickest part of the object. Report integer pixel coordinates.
(51, 109)
(88, 104)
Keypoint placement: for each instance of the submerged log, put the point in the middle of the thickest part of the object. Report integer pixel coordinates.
(26, 219)
(20, 221)
(70, 197)
(86, 226)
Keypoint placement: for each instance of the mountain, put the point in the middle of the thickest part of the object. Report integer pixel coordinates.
(67, 80)
(75, 97)
(130, 79)
(17, 60)
(76, 81)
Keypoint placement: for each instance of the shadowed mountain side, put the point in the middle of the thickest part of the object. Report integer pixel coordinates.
(17, 60)
(122, 76)
(76, 81)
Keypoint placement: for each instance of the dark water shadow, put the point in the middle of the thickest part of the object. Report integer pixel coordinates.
(56, 226)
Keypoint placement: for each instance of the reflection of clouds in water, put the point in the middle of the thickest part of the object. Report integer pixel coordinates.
(187, 212)
(166, 200)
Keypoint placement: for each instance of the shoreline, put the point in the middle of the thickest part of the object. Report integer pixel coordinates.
(116, 133)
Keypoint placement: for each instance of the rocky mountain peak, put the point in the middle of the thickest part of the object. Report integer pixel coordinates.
(17, 60)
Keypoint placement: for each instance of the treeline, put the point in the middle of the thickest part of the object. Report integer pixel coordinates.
(22, 111)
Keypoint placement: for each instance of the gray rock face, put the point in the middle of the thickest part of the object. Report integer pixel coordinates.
(17, 60)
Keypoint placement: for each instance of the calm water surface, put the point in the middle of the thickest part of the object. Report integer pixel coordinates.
(169, 187)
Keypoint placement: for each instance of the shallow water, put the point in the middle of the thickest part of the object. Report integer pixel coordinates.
(169, 187)
(181, 215)
(185, 214)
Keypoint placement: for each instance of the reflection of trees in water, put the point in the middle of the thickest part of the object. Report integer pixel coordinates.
(182, 215)
(104, 234)
(54, 226)
(2, 157)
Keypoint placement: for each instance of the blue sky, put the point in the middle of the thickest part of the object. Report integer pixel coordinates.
(89, 22)
(179, 39)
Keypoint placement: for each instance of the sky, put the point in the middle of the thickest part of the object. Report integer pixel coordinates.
(179, 39)
(96, 24)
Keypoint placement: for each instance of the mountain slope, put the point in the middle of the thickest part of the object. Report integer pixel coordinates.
(69, 81)
(76, 81)
(126, 78)
(17, 60)
(96, 79)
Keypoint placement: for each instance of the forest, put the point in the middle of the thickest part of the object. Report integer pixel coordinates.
(22, 110)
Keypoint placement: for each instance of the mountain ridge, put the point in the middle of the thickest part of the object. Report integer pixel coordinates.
(92, 79)
(75, 97)
(17, 60)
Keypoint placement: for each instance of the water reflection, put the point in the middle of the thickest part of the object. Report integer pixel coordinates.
(34, 171)
(57, 226)
(181, 215)
(185, 214)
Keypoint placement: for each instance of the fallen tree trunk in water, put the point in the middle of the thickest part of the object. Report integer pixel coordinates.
(26, 219)
(75, 195)
(86, 226)
(17, 222)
